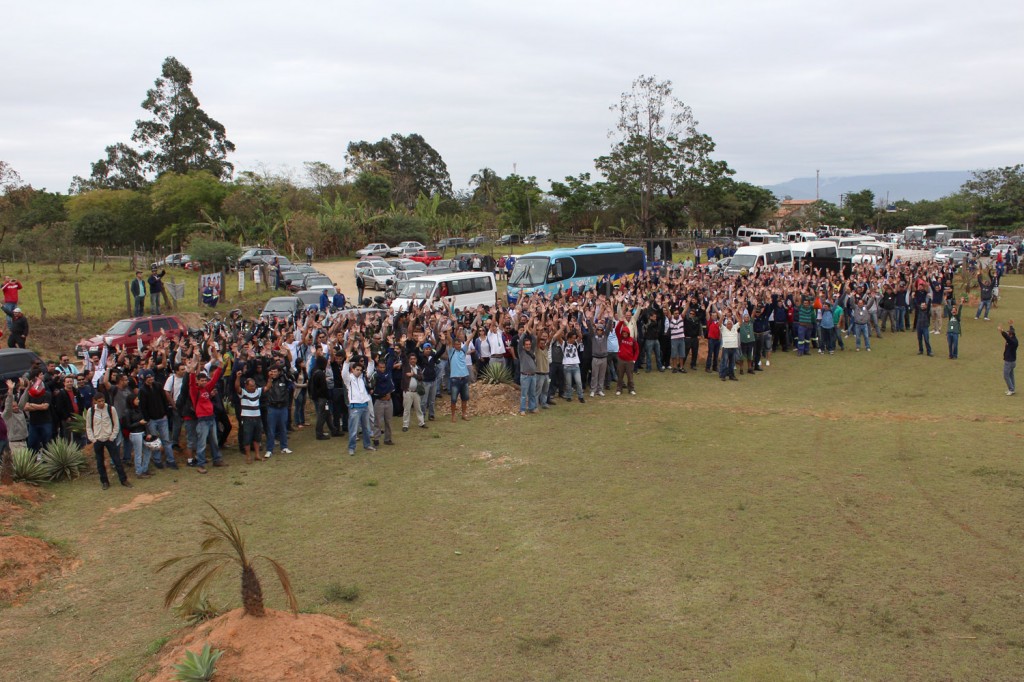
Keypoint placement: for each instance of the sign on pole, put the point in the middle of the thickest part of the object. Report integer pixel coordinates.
(241, 279)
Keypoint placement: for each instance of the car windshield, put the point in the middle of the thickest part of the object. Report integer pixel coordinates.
(318, 281)
(415, 266)
(529, 272)
(285, 306)
(120, 327)
(415, 288)
(380, 272)
(743, 260)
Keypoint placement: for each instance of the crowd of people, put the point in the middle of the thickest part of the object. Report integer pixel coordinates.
(355, 374)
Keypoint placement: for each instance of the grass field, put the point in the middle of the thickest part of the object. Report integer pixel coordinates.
(103, 300)
(854, 517)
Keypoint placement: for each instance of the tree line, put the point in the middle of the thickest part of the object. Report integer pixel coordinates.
(172, 184)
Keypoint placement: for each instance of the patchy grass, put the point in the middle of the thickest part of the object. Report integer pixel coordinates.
(848, 517)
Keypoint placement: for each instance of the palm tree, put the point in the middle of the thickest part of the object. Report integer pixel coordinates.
(488, 184)
(210, 563)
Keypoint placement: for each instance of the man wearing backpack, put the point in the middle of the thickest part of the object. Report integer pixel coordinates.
(153, 405)
(101, 428)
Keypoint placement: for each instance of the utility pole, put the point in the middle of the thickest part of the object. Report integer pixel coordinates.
(817, 185)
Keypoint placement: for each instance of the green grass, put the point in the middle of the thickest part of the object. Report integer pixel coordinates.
(834, 518)
(103, 300)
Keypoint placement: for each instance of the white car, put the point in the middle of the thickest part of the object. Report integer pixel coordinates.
(406, 249)
(947, 254)
(378, 249)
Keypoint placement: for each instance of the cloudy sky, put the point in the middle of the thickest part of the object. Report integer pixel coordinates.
(784, 87)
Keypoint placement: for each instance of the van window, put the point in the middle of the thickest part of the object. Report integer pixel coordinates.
(481, 283)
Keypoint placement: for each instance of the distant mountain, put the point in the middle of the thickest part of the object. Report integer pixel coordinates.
(909, 186)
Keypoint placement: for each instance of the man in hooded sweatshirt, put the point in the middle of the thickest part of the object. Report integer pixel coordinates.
(629, 352)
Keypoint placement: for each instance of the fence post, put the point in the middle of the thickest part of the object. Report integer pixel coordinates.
(174, 301)
(78, 303)
(127, 299)
(42, 308)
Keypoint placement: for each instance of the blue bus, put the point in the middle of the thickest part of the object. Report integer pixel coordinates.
(578, 268)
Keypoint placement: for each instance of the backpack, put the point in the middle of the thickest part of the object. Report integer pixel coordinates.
(92, 417)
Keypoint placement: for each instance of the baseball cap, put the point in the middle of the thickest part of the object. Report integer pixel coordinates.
(17, 310)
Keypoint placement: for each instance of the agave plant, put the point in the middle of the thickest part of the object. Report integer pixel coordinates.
(222, 546)
(28, 469)
(199, 667)
(496, 373)
(63, 460)
(77, 423)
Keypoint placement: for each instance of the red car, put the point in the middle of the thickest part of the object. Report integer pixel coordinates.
(425, 257)
(128, 331)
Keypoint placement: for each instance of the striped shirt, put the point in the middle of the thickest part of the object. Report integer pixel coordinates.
(676, 328)
(251, 402)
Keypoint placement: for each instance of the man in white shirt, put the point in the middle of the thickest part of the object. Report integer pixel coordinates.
(172, 389)
(496, 343)
(102, 428)
(359, 401)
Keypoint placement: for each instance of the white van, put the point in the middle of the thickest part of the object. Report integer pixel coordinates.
(466, 290)
(800, 237)
(767, 238)
(744, 234)
(749, 258)
(872, 252)
(819, 248)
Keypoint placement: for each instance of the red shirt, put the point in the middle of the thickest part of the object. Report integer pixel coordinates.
(11, 291)
(713, 331)
(201, 401)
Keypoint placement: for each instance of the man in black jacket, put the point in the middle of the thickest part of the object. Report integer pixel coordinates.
(153, 404)
(66, 406)
(320, 395)
(19, 330)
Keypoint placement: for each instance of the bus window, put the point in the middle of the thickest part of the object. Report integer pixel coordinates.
(562, 268)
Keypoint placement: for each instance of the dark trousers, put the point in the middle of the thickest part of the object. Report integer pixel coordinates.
(557, 379)
(339, 411)
(39, 436)
(111, 448)
(323, 415)
(780, 336)
(692, 347)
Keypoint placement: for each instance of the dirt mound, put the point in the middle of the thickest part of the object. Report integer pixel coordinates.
(309, 647)
(138, 502)
(24, 562)
(16, 499)
(490, 400)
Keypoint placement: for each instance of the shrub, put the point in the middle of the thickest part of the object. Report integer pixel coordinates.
(199, 667)
(199, 611)
(216, 254)
(27, 469)
(77, 423)
(496, 373)
(336, 592)
(63, 460)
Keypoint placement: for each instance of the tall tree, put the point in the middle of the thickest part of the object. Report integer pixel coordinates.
(860, 206)
(324, 179)
(997, 195)
(580, 202)
(122, 169)
(519, 198)
(411, 165)
(487, 185)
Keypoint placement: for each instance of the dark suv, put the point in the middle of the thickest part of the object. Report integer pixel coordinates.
(128, 331)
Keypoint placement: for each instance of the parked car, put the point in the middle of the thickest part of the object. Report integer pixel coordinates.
(400, 263)
(426, 257)
(535, 238)
(950, 254)
(510, 239)
(273, 261)
(378, 278)
(477, 241)
(175, 260)
(313, 282)
(281, 307)
(405, 248)
(309, 299)
(250, 256)
(127, 333)
(375, 249)
(15, 363)
(450, 243)
(440, 267)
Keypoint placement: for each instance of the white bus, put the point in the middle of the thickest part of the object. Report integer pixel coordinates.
(464, 289)
(749, 258)
(800, 237)
(920, 233)
(819, 248)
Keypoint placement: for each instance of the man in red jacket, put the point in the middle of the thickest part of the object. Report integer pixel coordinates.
(11, 288)
(200, 384)
(629, 351)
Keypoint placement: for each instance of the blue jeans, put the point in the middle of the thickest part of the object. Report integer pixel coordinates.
(277, 427)
(300, 407)
(828, 338)
(986, 305)
(652, 347)
(359, 420)
(713, 346)
(953, 340)
(727, 367)
(901, 318)
(922, 334)
(140, 306)
(142, 454)
(206, 435)
(540, 390)
(803, 335)
(527, 392)
(430, 397)
(1008, 368)
(154, 303)
(573, 378)
(861, 330)
(160, 429)
(39, 435)
(9, 309)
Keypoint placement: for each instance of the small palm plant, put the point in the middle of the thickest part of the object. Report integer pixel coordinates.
(223, 546)
(63, 459)
(26, 468)
(496, 373)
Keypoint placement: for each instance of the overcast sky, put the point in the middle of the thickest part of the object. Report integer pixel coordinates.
(784, 87)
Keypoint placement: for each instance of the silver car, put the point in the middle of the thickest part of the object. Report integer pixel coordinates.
(378, 278)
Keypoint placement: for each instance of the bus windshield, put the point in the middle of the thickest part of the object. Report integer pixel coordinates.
(412, 288)
(743, 260)
(529, 272)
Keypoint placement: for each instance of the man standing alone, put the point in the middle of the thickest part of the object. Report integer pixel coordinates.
(138, 291)
(1009, 358)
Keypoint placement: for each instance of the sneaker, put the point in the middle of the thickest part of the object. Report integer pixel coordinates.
(591, 394)
(370, 449)
(158, 465)
(1010, 392)
(424, 425)
(869, 350)
(268, 455)
(406, 428)
(286, 451)
(767, 363)
(582, 400)
(352, 453)
(220, 463)
(632, 392)
(601, 393)
(986, 318)
(172, 465)
(618, 392)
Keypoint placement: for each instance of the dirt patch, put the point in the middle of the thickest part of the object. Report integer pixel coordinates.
(16, 500)
(499, 462)
(490, 400)
(280, 646)
(137, 502)
(24, 561)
